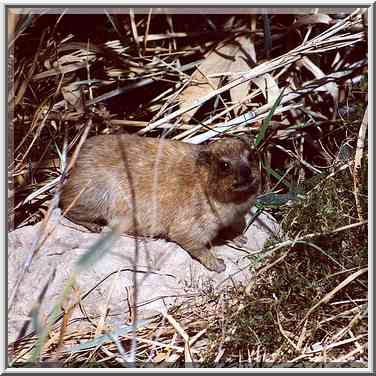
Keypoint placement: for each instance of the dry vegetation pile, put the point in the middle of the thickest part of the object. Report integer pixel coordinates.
(297, 84)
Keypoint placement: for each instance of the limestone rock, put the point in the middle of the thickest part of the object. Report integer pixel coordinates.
(166, 272)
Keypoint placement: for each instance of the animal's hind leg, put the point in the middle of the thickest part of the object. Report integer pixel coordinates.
(124, 224)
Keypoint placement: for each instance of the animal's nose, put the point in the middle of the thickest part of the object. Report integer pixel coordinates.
(245, 173)
(244, 176)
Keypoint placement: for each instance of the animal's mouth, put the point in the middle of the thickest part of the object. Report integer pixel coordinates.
(246, 186)
(241, 187)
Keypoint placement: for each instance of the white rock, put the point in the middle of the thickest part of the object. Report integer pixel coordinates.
(170, 274)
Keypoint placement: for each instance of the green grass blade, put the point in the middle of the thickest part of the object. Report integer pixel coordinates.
(266, 123)
(97, 251)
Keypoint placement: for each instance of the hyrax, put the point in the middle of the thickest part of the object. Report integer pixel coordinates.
(186, 193)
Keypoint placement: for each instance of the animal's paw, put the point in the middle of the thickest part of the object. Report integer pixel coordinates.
(218, 265)
(210, 262)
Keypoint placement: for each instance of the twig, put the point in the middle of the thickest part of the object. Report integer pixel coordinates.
(180, 330)
(358, 164)
(332, 345)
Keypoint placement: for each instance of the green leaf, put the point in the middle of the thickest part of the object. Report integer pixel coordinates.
(273, 173)
(275, 199)
(105, 338)
(266, 123)
(96, 251)
(43, 332)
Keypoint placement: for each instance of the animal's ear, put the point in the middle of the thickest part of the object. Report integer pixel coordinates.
(204, 156)
(246, 139)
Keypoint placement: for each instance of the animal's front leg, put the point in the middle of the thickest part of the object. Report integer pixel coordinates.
(200, 252)
(235, 233)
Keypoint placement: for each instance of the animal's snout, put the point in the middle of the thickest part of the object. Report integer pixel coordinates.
(244, 179)
(245, 174)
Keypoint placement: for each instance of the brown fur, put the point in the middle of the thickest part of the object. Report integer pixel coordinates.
(163, 188)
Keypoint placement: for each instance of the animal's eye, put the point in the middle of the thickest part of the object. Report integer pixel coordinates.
(225, 165)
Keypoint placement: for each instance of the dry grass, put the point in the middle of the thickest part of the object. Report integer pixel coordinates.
(298, 86)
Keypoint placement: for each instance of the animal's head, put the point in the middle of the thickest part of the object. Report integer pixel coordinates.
(232, 166)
